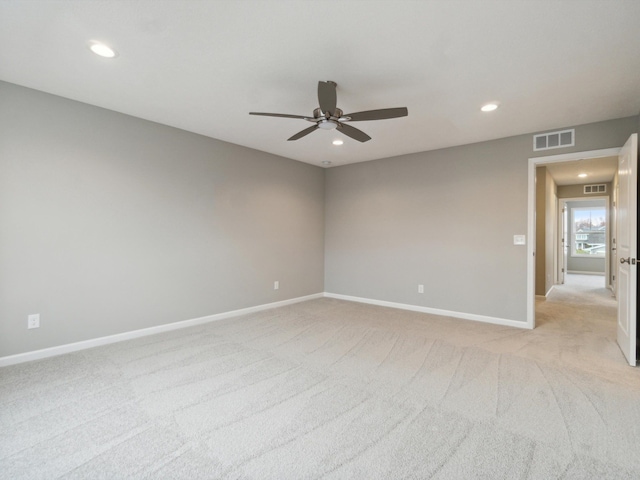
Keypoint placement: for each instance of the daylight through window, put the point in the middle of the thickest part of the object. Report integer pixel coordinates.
(589, 231)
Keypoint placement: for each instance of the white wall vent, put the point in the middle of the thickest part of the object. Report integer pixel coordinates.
(602, 188)
(559, 139)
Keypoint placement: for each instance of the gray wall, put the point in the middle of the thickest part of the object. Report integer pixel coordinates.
(444, 218)
(109, 223)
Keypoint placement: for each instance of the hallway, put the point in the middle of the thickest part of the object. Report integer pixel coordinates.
(578, 324)
(584, 290)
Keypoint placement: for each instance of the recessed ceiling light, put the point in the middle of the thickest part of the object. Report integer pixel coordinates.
(582, 175)
(489, 107)
(337, 142)
(102, 50)
(326, 162)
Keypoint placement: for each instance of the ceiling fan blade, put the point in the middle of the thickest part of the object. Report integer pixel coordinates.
(283, 115)
(304, 132)
(327, 96)
(378, 114)
(354, 133)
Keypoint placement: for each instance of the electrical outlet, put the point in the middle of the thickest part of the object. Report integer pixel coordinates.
(276, 285)
(420, 288)
(33, 321)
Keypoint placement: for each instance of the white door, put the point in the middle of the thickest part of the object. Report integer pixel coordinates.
(627, 247)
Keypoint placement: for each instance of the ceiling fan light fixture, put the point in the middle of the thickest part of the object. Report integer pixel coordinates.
(102, 50)
(489, 107)
(327, 124)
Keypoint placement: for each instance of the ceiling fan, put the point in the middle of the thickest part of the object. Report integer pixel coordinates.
(328, 116)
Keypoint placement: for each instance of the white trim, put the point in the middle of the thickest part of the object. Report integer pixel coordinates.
(531, 245)
(556, 236)
(531, 205)
(435, 311)
(143, 332)
(568, 157)
(559, 260)
(606, 256)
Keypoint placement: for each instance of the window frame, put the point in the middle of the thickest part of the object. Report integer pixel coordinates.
(575, 234)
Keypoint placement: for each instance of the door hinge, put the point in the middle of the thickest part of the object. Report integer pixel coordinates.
(563, 270)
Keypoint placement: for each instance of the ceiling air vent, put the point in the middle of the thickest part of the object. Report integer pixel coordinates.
(602, 188)
(559, 139)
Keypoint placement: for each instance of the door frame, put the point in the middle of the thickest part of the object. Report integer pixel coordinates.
(560, 260)
(557, 241)
(607, 206)
(535, 162)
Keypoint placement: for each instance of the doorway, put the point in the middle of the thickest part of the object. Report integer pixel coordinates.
(626, 232)
(584, 236)
(531, 249)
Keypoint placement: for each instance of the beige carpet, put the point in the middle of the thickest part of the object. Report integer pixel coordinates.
(333, 389)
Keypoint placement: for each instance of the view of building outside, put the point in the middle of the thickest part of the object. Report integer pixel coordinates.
(589, 230)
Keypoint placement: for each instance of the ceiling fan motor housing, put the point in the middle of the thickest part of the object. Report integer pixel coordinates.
(336, 114)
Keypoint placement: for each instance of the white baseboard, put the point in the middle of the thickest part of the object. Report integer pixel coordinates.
(119, 337)
(435, 311)
(544, 297)
(580, 272)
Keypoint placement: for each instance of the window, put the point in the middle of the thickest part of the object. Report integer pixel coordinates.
(589, 231)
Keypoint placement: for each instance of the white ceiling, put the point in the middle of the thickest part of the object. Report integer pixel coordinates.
(203, 65)
(598, 170)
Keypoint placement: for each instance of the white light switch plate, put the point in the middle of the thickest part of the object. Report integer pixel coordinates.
(519, 240)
